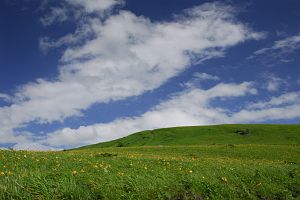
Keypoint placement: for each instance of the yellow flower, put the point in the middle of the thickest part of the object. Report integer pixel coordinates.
(74, 173)
(2, 173)
(190, 171)
(82, 170)
(224, 179)
(120, 174)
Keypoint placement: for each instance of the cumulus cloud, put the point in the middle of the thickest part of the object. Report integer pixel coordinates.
(125, 56)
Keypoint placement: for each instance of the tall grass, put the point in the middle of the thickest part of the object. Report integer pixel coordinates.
(170, 172)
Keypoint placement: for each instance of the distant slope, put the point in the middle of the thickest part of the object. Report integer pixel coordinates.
(217, 134)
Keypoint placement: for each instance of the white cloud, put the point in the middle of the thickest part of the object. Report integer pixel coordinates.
(78, 9)
(287, 45)
(95, 5)
(57, 14)
(127, 56)
(274, 113)
(190, 107)
(198, 78)
(5, 97)
(272, 82)
(282, 100)
(285, 106)
(273, 85)
(205, 76)
(81, 35)
(9, 137)
(32, 146)
(280, 48)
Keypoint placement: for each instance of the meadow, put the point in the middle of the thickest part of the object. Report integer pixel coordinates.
(202, 171)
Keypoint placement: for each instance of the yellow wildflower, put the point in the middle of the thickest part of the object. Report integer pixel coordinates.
(120, 174)
(224, 179)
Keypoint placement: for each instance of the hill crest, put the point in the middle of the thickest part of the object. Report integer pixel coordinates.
(205, 135)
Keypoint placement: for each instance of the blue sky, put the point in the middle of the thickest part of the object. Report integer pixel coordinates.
(76, 72)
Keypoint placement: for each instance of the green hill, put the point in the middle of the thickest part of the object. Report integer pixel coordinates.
(247, 162)
(205, 135)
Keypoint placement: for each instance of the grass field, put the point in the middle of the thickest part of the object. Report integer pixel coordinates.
(219, 134)
(267, 167)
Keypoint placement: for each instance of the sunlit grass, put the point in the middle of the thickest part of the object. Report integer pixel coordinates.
(182, 172)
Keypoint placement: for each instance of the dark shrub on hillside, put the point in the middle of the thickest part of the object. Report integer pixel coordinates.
(106, 155)
(120, 144)
(242, 131)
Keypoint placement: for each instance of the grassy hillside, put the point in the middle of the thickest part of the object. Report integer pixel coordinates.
(218, 134)
(247, 162)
